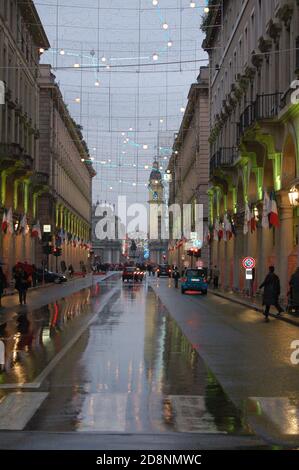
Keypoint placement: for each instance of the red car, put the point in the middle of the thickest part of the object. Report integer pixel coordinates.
(131, 273)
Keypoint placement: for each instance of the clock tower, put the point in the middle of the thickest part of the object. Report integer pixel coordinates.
(158, 247)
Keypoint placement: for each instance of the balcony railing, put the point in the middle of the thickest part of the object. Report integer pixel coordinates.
(224, 158)
(266, 106)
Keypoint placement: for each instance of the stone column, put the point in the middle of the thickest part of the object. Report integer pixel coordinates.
(285, 245)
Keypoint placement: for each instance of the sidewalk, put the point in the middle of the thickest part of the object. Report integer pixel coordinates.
(255, 303)
(48, 293)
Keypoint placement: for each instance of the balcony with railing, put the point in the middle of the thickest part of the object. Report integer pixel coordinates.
(265, 107)
(224, 158)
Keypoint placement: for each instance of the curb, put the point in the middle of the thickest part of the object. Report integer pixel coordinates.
(254, 307)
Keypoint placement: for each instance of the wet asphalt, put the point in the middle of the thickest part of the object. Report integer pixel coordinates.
(128, 359)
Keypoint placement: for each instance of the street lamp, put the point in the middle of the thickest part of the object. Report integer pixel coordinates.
(294, 196)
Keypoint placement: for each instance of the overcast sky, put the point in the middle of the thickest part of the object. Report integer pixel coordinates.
(124, 34)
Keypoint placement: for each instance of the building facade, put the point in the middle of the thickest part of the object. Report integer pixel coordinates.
(189, 172)
(106, 250)
(66, 172)
(22, 40)
(253, 49)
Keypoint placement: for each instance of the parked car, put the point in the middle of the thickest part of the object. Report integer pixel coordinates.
(195, 280)
(164, 270)
(130, 273)
(50, 277)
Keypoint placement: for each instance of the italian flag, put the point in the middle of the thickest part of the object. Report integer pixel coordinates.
(36, 231)
(253, 221)
(273, 211)
(4, 221)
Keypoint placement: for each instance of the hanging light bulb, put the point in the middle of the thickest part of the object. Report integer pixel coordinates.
(145, 147)
(206, 9)
(155, 56)
(62, 52)
(107, 67)
(103, 59)
(123, 133)
(41, 50)
(170, 43)
(82, 159)
(155, 3)
(97, 83)
(161, 120)
(131, 128)
(192, 4)
(182, 109)
(76, 65)
(134, 184)
(77, 100)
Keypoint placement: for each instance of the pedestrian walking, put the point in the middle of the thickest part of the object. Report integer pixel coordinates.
(21, 278)
(271, 286)
(71, 270)
(294, 289)
(176, 277)
(3, 284)
(216, 275)
(34, 275)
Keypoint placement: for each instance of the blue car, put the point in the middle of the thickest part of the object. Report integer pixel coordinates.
(195, 280)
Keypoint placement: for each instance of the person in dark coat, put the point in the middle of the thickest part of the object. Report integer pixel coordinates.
(294, 288)
(176, 277)
(21, 278)
(271, 294)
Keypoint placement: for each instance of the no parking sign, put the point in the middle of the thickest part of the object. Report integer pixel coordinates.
(249, 263)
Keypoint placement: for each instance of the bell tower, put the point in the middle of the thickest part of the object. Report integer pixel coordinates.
(157, 247)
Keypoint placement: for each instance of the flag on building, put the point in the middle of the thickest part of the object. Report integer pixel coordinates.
(4, 221)
(266, 210)
(23, 226)
(253, 221)
(10, 225)
(227, 227)
(234, 232)
(36, 231)
(247, 219)
(273, 211)
(216, 231)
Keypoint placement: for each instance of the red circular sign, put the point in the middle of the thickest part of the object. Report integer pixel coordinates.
(249, 263)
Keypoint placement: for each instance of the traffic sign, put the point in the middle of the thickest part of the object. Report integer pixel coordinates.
(249, 263)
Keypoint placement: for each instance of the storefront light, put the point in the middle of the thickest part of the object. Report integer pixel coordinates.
(294, 196)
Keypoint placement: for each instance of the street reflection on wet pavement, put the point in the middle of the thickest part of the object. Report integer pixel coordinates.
(130, 369)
